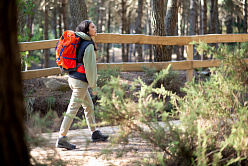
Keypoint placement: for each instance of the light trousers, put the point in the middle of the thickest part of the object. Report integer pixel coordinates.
(80, 97)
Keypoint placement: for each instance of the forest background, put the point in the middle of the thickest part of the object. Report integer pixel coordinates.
(219, 100)
(46, 20)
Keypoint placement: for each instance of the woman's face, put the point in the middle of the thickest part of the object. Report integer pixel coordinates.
(92, 30)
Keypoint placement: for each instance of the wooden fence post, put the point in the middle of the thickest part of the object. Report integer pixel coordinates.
(189, 75)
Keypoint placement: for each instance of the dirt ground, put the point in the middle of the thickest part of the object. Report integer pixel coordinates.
(86, 153)
(93, 154)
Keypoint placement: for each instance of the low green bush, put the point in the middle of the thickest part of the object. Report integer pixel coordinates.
(213, 117)
(104, 75)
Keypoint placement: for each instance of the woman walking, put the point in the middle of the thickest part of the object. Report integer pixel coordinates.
(79, 81)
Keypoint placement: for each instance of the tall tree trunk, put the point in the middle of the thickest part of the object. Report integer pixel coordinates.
(98, 14)
(101, 15)
(46, 51)
(64, 13)
(13, 148)
(149, 16)
(238, 24)
(204, 16)
(217, 20)
(170, 23)
(213, 15)
(60, 11)
(245, 16)
(124, 28)
(160, 52)
(229, 23)
(180, 29)
(192, 17)
(138, 29)
(128, 32)
(203, 26)
(30, 21)
(193, 7)
(101, 10)
(108, 26)
(54, 22)
(78, 10)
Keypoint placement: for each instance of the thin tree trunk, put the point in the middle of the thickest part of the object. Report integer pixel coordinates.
(124, 29)
(30, 20)
(204, 16)
(13, 148)
(213, 15)
(170, 23)
(149, 16)
(245, 17)
(128, 32)
(180, 29)
(100, 25)
(193, 7)
(54, 23)
(108, 26)
(192, 31)
(64, 14)
(46, 51)
(203, 29)
(217, 21)
(60, 17)
(138, 29)
(98, 15)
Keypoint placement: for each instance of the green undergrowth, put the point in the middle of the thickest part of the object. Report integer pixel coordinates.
(213, 119)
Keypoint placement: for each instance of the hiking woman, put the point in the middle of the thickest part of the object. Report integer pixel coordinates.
(79, 81)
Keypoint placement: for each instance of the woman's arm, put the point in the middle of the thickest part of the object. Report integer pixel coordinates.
(90, 65)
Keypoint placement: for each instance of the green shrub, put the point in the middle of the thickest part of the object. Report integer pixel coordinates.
(149, 71)
(104, 75)
(213, 115)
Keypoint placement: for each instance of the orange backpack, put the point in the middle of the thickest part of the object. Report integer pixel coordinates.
(66, 49)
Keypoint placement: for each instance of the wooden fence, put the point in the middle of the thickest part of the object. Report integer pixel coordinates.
(189, 65)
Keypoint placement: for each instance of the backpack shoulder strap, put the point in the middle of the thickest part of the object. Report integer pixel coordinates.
(81, 48)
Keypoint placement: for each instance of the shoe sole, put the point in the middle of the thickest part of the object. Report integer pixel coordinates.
(61, 146)
(100, 140)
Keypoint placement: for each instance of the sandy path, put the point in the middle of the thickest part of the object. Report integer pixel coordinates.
(88, 153)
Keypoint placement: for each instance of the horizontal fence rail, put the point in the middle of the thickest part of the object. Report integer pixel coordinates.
(187, 65)
(180, 65)
(143, 39)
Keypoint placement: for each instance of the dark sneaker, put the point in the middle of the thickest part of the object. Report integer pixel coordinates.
(97, 136)
(63, 143)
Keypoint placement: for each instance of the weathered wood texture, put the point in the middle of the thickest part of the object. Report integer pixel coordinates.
(188, 65)
(180, 65)
(143, 39)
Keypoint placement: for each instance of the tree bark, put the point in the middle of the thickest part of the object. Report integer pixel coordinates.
(149, 22)
(193, 7)
(204, 16)
(78, 10)
(160, 52)
(46, 51)
(180, 30)
(108, 26)
(54, 22)
(13, 148)
(64, 7)
(138, 29)
(245, 17)
(124, 28)
(170, 23)
(213, 16)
